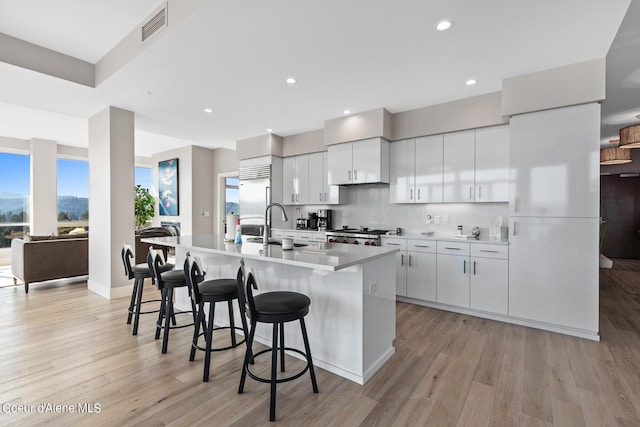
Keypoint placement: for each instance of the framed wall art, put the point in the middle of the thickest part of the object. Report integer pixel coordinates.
(168, 187)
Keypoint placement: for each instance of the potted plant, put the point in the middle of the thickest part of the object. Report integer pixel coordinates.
(144, 206)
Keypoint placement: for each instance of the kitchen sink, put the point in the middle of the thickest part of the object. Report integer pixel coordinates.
(274, 242)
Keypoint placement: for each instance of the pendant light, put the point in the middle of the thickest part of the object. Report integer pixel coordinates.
(630, 137)
(615, 156)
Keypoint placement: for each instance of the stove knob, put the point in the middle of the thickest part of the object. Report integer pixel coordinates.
(331, 240)
(367, 243)
(355, 242)
(345, 241)
(373, 244)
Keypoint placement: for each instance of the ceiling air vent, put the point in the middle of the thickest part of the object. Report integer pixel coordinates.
(155, 24)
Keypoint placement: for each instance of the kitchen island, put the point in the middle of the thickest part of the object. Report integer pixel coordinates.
(351, 321)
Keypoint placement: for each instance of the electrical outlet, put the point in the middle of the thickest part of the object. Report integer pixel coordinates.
(445, 219)
(373, 287)
(436, 219)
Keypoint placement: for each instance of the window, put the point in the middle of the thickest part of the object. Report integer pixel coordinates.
(73, 195)
(15, 181)
(143, 177)
(232, 195)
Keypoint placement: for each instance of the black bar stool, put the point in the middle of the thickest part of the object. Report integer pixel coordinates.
(166, 281)
(277, 308)
(210, 291)
(138, 272)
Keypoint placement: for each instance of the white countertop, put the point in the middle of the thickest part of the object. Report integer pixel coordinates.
(324, 256)
(446, 237)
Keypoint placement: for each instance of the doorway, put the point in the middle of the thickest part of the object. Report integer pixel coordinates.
(620, 210)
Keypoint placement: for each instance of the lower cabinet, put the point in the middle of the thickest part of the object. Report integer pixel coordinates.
(489, 278)
(401, 263)
(453, 273)
(421, 269)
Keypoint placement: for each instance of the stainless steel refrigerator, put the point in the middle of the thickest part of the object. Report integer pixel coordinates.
(260, 184)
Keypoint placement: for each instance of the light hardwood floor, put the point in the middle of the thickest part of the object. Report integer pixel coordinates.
(62, 344)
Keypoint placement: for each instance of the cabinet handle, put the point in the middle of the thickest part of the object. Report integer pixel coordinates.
(410, 260)
(411, 194)
(485, 250)
(401, 259)
(464, 266)
(454, 249)
(479, 192)
(292, 197)
(421, 246)
(474, 268)
(355, 174)
(418, 194)
(394, 244)
(297, 197)
(325, 197)
(514, 228)
(349, 173)
(470, 191)
(320, 194)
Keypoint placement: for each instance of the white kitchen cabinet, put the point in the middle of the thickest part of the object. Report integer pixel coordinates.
(489, 278)
(421, 269)
(295, 180)
(401, 263)
(359, 162)
(459, 167)
(553, 160)
(429, 169)
(402, 159)
(492, 164)
(320, 192)
(415, 170)
(553, 271)
(453, 267)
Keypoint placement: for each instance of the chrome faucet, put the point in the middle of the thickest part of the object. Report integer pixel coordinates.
(267, 225)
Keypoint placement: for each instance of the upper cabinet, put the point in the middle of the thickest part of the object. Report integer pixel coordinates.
(360, 162)
(320, 192)
(492, 164)
(305, 181)
(295, 180)
(415, 170)
(554, 162)
(469, 166)
(459, 167)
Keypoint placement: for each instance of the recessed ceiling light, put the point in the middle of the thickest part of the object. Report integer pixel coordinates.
(347, 111)
(208, 110)
(443, 25)
(291, 81)
(269, 130)
(471, 82)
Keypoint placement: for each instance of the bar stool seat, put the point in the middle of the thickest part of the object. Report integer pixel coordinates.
(211, 292)
(277, 308)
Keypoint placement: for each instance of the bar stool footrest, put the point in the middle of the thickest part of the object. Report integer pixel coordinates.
(280, 380)
(197, 347)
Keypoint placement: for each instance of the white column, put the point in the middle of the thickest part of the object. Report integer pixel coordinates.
(111, 183)
(43, 214)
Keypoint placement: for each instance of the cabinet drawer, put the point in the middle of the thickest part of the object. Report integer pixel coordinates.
(453, 248)
(490, 251)
(421, 245)
(394, 243)
(278, 234)
(318, 237)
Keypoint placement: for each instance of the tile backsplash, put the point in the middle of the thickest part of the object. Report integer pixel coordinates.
(369, 206)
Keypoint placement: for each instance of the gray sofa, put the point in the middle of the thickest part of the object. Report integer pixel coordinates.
(40, 258)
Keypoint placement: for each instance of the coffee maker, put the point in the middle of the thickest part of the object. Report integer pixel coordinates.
(324, 219)
(312, 221)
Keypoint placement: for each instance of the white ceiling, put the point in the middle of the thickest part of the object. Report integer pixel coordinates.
(234, 57)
